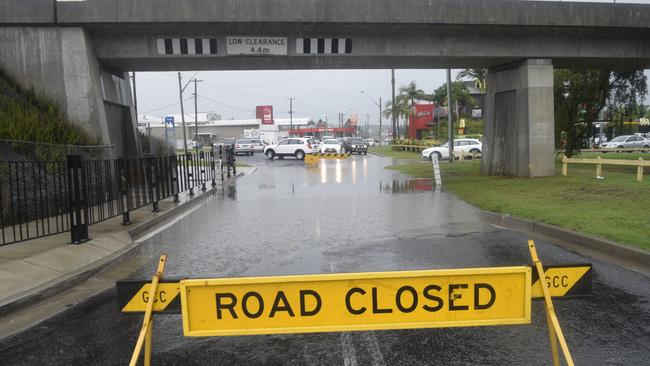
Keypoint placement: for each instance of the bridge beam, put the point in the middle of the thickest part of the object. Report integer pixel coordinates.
(519, 120)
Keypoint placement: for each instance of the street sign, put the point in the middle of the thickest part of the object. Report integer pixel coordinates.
(356, 301)
(169, 120)
(564, 281)
(256, 46)
(133, 296)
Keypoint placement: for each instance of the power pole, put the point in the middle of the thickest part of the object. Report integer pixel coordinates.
(379, 119)
(180, 93)
(394, 111)
(449, 120)
(367, 125)
(196, 116)
(291, 115)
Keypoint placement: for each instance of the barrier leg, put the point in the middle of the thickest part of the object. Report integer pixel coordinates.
(553, 324)
(147, 344)
(148, 312)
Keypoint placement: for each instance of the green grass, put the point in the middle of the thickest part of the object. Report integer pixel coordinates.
(243, 165)
(386, 151)
(615, 208)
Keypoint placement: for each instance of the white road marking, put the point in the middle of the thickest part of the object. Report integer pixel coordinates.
(373, 348)
(349, 353)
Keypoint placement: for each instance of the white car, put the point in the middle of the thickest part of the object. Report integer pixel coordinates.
(626, 142)
(466, 146)
(331, 146)
(258, 145)
(371, 142)
(293, 146)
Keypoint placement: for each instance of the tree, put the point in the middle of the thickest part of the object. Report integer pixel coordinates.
(401, 111)
(459, 93)
(480, 80)
(478, 75)
(580, 95)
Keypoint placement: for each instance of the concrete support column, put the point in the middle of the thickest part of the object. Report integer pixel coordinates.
(518, 135)
(60, 64)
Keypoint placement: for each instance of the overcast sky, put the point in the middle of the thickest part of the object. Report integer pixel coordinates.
(317, 93)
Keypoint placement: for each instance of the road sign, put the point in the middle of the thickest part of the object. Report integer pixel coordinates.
(256, 46)
(169, 120)
(356, 301)
(564, 281)
(133, 296)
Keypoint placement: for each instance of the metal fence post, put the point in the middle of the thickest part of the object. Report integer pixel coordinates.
(188, 171)
(202, 165)
(76, 198)
(212, 166)
(123, 185)
(173, 162)
(151, 175)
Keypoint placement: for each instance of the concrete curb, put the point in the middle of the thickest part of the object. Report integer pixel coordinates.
(377, 154)
(633, 258)
(74, 278)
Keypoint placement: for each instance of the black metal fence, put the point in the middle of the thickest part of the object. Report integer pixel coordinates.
(40, 198)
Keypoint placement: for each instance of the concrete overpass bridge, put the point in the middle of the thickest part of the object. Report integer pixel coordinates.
(78, 51)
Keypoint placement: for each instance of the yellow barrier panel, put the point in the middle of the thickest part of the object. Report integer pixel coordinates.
(356, 301)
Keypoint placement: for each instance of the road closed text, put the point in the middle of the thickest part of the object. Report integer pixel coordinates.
(362, 301)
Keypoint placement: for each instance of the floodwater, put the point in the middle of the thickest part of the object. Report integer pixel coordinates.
(346, 215)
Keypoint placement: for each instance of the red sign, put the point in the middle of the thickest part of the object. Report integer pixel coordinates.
(265, 113)
(421, 117)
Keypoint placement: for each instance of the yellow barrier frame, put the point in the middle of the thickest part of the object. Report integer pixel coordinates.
(639, 164)
(554, 330)
(147, 324)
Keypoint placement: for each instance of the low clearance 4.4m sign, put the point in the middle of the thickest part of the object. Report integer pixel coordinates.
(356, 301)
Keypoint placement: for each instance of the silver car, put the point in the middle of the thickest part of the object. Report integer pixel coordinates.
(244, 146)
(626, 142)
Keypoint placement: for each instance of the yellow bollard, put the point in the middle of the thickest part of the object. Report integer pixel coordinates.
(599, 168)
(639, 171)
(565, 165)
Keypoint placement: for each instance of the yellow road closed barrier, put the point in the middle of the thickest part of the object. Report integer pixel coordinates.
(356, 301)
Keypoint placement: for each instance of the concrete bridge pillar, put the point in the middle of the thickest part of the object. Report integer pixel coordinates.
(61, 65)
(518, 135)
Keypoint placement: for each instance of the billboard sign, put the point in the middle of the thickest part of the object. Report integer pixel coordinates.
(169, 121)
(265, 113)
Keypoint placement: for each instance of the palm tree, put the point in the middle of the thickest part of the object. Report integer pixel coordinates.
(479, 76)
(407, 97)
(401, 110)
(480, 81)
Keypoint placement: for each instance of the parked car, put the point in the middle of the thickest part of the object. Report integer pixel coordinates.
(331, 146)
(626, 142)
(258, 145)
(293, 146)
(244, 146)
(467, 146)
(225, 142)
(359, 146)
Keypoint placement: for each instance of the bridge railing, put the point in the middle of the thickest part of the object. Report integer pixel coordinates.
(41, 198)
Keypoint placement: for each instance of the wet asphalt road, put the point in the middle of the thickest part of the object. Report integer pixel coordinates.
(344, 216)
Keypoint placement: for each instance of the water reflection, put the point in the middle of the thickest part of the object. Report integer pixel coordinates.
(407, 186)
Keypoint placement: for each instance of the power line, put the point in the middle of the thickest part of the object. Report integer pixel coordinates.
(267, 84)
(167, 106)
(226, 105)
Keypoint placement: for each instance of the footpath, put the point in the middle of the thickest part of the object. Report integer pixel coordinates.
(39, 277)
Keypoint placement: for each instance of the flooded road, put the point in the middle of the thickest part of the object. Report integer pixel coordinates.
(347, 215)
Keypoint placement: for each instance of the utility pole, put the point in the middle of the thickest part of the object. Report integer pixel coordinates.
(291, 115)
(135, 109)
(379, 119)
(196, 116)
(180, 93)
(367, 125)
(449, 120)
(394, 111)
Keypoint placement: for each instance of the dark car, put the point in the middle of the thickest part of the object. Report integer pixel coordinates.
(358, 145)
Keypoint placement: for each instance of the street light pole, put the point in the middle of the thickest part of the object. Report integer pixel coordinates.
(393, 112)
(291, 115)
(449, 120)
(180, 92)
(378, 104)
(196, 115)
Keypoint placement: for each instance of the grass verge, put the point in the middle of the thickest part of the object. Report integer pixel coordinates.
(386, 151)
(615, 208)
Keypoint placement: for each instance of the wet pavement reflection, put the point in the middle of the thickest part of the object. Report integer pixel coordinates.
(347, 215)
